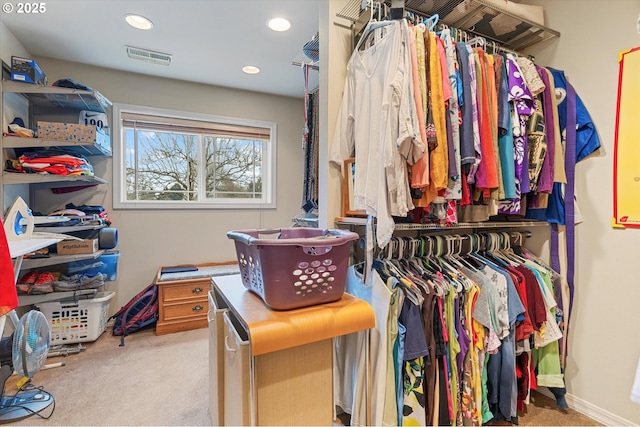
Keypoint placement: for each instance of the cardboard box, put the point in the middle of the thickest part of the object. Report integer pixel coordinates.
(72, 132)
(74, 247)
(27, 70)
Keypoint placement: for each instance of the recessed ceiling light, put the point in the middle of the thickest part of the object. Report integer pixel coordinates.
(250, 69)
(279, 24)
(138, 21)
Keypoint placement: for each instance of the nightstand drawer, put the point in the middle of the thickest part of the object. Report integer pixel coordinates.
(199, 289)
(184, 311)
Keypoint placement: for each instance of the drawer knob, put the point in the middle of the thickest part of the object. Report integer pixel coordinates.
(197, 308)
(196, 290)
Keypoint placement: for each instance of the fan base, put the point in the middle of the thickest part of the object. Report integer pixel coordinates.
(23, 404)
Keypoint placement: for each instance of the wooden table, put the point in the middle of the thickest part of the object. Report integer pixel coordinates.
(277, 365)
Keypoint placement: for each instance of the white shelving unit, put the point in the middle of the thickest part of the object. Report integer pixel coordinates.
(43, 103)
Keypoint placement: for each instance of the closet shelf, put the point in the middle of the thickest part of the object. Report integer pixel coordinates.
(55, 296)
(348, 221)
(84, 148)
(49, 180)
(71, 228)
(29, 263)
(58, 97)
(484, 18)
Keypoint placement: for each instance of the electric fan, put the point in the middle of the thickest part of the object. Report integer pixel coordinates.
(29, 345)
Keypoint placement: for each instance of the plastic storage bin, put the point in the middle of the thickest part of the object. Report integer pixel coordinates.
(106, 264)
(295, 267)
(77, 321)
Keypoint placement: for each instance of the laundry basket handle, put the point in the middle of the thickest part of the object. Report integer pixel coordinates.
(296, 236)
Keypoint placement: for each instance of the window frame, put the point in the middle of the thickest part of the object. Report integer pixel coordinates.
(268, 201)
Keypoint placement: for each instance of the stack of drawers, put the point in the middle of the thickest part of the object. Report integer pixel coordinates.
(183, 303)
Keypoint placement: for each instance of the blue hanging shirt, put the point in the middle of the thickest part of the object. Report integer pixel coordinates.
(587, 142)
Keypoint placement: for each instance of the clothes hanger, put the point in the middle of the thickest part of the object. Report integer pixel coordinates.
(441, 28)
(456, 257)
(477, 41)
(443, 274)
(453, 272)
(493, 252)
(474, 248)
(430, 270)
(508, 250)
(432, 21)
(405, 278)
(370, 28)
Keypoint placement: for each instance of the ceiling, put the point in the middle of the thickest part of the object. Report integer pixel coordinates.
(210, 40)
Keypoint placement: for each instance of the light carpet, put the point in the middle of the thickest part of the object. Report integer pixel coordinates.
(163, 381)
(151, 381)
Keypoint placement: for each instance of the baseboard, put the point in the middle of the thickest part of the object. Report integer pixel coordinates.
(590, 410)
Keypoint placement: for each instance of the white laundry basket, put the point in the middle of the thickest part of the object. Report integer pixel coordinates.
(78, 321)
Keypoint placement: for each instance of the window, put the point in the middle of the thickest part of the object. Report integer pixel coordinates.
(171, 159)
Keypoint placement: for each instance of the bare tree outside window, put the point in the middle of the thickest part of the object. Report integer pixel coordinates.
(165, 166)
(167, 159)
(233, 167)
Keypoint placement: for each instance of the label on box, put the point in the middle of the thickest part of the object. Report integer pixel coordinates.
(73, 247)
(72, 132)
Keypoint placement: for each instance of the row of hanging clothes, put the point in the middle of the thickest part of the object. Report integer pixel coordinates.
(449, 128)
(465, 328)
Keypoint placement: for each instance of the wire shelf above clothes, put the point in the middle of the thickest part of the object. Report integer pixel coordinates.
(310, 54)
(485, 18)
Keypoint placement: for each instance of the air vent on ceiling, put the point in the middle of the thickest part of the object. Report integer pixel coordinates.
(148, 55)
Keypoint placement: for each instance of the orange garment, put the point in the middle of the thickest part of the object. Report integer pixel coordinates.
(498, 193)
(487, 167)
(420, 169)
(438, 157)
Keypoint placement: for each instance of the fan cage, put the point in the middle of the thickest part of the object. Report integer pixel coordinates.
(31, 343)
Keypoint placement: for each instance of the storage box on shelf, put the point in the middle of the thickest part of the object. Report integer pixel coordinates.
(105, 264)
(27, 70)
(73, 247)
(73, 132)
(182, 296)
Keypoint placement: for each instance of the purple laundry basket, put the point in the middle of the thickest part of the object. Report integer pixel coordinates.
(294, 267)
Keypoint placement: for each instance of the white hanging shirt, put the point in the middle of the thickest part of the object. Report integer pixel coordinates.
(376, 121)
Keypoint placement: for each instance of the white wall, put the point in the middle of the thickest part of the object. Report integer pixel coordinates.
(334, 56)
(604, 344)
(10, 46)
(149, 239)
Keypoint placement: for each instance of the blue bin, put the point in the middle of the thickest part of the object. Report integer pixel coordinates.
(106, 264)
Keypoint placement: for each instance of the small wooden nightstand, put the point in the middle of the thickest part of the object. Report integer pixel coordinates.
(182, 302)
